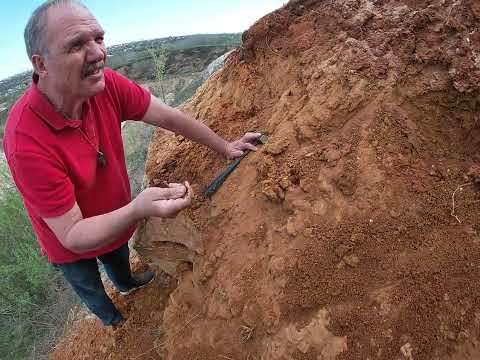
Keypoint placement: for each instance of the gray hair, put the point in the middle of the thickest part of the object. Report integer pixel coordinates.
(35, 29)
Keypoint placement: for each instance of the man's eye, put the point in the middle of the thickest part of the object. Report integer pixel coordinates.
(99, 39)
(75, 47)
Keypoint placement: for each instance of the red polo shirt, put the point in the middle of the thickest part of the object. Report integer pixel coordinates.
(53, 164)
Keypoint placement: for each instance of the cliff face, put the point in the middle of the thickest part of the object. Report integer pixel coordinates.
(347, 236)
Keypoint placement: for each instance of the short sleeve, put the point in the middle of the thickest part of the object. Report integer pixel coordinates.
(43, 183)
(133, 99)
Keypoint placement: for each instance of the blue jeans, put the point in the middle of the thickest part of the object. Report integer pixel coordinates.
(84, 277)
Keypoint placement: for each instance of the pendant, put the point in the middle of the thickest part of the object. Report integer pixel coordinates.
(101, 159)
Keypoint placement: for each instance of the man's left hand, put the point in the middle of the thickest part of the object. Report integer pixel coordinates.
(237, 148)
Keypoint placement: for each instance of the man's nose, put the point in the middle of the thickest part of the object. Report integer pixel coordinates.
(95, 52)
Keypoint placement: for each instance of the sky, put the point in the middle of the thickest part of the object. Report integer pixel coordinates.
(132, 20)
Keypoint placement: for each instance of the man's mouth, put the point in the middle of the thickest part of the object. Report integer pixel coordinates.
(93, 69)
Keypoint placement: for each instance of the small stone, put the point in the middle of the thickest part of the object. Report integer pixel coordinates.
(280, 193)
(269, 193)
(300, 204)
(303, 347)
(351, 260)
(295, 225)
(276, 148)
(394, 213)
(308, 232)
(272, 192)
(294, 179)
(291, 228)
(333, 155)
(218, 253)
(346, 185)
(277, 266)
(306, 186)
(462, 336)
(451, 335)
(208, 270)
(319, 207)
(407, 350)
(342, 250)
(316, 75)
(284, 183)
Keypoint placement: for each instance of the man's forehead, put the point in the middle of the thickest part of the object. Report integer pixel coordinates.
(67, 18)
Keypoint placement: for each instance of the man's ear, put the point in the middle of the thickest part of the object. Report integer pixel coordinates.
(38, 62)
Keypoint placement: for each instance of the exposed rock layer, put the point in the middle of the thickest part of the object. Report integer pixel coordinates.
(344, 237)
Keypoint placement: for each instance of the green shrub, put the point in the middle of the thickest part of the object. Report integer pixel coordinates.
(159, 58)
(185, 94)
(25, 275)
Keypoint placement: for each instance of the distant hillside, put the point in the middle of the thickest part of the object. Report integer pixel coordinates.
(125, 54)
(186, 55)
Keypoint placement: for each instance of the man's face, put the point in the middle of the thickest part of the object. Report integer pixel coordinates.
(75, 51)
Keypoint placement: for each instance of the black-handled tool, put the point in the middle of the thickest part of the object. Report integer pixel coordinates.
(215, 184)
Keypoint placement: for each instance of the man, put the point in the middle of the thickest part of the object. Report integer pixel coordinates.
(64, 149)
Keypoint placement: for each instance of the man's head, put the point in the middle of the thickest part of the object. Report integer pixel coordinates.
(65, 45)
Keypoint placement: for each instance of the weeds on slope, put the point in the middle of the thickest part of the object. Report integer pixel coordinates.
(28, 284)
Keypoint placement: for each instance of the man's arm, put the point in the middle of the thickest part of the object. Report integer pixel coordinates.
(81, 235)
(166, 117)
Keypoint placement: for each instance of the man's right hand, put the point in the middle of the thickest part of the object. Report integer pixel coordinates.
(81, 235)
(163, 202)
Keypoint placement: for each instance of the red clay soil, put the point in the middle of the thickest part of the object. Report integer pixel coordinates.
(86, 338)
(355, 232)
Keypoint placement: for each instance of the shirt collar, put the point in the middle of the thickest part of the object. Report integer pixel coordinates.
(39, 103)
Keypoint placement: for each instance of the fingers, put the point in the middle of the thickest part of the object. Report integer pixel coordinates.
(250, 137)
(180, 187)
(241, 146)
(175, 206)
(171, 207)
(249, 146)
(189, 189)
(236, 153)
(172, 192)
(185, 201)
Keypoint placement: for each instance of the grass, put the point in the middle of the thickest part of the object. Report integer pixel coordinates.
(25, 277)
(188, 92)
(8, 101)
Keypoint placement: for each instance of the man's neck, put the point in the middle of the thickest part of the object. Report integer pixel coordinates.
(68, 107)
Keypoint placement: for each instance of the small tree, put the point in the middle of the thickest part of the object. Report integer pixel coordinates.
(159, 57)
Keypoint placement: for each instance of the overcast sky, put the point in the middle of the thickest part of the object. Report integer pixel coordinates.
(131, 20)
